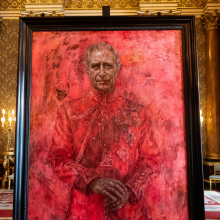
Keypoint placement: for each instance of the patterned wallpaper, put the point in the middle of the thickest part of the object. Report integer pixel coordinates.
(8, 72)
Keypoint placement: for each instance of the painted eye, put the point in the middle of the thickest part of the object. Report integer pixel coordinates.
(108, 67)
(95, 67)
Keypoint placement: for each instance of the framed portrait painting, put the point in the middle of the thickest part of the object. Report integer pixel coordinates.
(108, 119)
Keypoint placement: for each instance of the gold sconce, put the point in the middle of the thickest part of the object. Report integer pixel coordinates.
(8, 121)
(8, 124)
(201, 118)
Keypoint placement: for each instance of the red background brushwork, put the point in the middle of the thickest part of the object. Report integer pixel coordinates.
(152, 69)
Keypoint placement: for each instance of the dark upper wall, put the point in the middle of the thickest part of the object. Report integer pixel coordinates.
(8, 72)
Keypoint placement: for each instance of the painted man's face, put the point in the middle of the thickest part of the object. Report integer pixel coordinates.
(102, 70)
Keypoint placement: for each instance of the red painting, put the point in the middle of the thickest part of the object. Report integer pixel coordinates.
(107, 132)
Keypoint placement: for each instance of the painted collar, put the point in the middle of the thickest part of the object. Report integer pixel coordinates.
(103, 98)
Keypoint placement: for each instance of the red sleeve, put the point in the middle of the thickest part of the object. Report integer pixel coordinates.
(147, 167)
(62, 151)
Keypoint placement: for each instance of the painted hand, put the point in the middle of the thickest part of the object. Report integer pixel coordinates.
(120, 202)
(114, 190)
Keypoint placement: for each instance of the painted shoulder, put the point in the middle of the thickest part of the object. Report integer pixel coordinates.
(79, 106)
(131, 101)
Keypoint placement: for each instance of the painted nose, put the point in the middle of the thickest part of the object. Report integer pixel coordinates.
(102, 70)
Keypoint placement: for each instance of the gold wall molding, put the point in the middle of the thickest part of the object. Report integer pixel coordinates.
(12, 14)
(13, 8)
(97, 4)
(98, 12)
(169, 12)
(43, 10)
(159, 6)
(42, 14)
(210, 20)
(34, 7)
(44, 1)
(160, 1)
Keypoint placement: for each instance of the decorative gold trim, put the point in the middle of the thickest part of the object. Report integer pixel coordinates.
(10, 14)
(100, 9)
(97, 4)
(44, 1)
(160, 12)
(12, 9)
(208, 163)
(42, 14)
(212, 156)
(36, 8)
(159, 2)
(98, 12)
(11, 18)
(41, 4)
(210, 21)
(188, 7)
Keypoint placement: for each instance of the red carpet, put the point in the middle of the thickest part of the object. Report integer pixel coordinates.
(212, 205)
(6, 204)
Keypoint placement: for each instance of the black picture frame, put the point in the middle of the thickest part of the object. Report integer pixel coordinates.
(191, 91)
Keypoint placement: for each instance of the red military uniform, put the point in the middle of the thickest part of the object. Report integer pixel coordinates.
(104, 135)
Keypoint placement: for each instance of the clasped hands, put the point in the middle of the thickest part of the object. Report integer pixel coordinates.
(115, 191)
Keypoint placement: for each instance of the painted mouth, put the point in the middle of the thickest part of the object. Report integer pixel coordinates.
(103, 82)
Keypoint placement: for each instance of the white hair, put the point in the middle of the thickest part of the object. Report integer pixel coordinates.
(100, 46)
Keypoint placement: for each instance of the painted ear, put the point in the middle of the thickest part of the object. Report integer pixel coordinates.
(119, 71)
